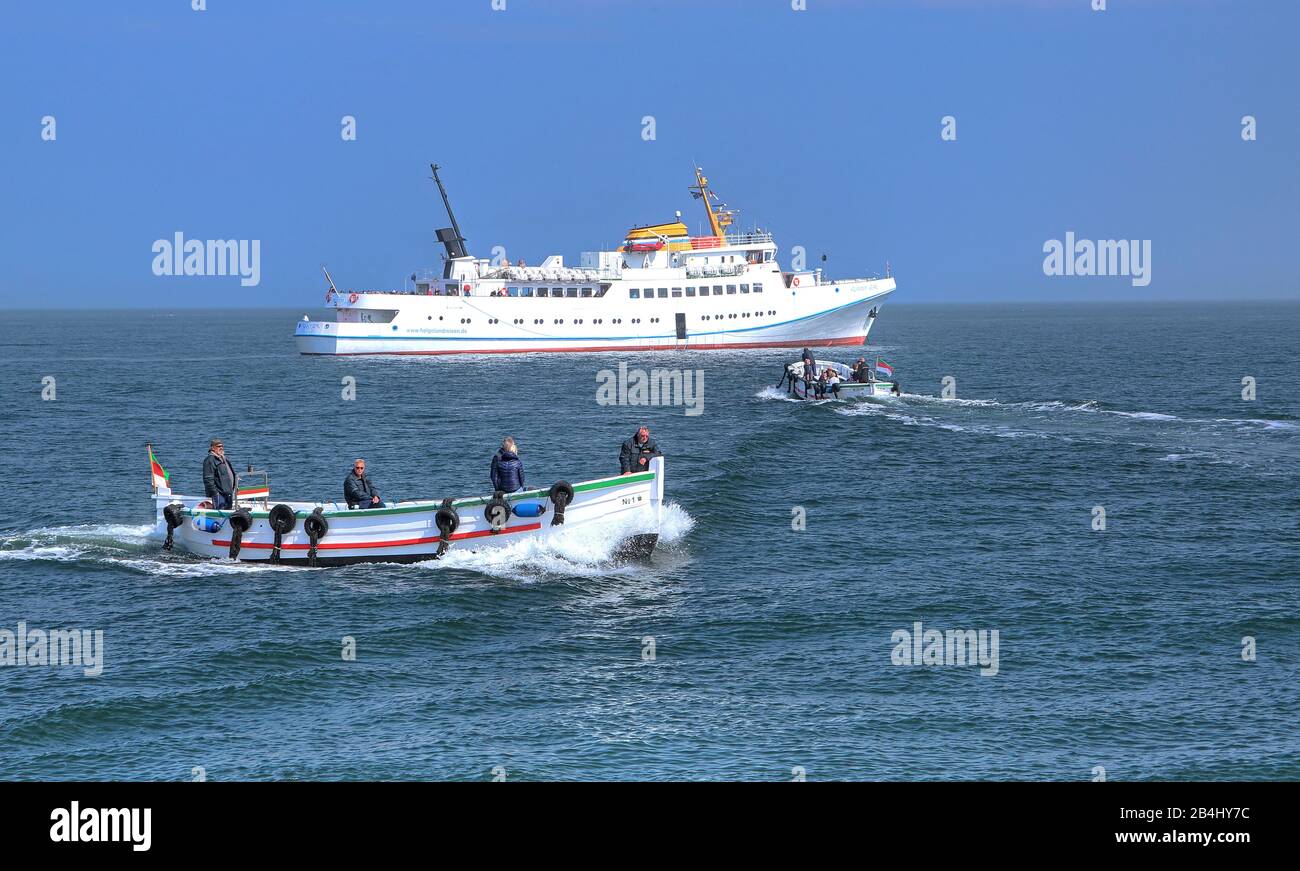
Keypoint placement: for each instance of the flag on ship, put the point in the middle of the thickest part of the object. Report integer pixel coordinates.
(883, 368)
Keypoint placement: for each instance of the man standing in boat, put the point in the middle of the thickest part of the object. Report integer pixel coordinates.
(358, 492)
(218, 476)
(507, 469)
(637, 451)
(862, 372)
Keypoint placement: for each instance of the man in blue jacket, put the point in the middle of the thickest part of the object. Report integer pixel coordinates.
(507, 470)
(358, 492)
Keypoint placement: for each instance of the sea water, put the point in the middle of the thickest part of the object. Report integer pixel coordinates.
(1093, 488)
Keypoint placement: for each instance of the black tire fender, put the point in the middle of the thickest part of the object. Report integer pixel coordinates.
(282, 519)
(561, 494)
(174, 514)
(559, 488)
(496, 511)
(315, 524)
(241, 521)
(447, 520)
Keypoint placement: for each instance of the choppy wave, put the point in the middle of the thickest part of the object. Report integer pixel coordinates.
(890, 412)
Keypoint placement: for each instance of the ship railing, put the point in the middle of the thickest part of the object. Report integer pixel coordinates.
(731, 240)
(715, 271)
(819, 278)
(391, 290)
(747, 238)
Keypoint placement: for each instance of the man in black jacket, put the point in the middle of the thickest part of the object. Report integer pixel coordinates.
(358, 492)
(809, 367)
(218, 476)
(637, 451)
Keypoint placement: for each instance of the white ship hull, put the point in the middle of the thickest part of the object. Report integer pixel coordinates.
(840, 313)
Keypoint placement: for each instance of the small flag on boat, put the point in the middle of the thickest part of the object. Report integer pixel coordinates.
(883, 368)
(161, 476)
(255, 492)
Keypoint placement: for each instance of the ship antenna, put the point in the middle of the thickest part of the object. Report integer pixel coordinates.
(700, 190)
(453, 241)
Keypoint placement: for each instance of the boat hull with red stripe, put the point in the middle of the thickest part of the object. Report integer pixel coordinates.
(628, 507)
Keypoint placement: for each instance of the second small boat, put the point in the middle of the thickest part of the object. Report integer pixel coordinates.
(844, 384)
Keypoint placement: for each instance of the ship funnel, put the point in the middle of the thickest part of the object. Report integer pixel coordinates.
(452, 241)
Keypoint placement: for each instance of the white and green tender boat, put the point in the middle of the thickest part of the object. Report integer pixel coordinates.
(844, 387)
(329, 533)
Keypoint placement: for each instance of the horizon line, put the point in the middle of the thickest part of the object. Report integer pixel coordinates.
(892, 304)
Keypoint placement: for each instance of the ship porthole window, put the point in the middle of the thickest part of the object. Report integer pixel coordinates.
(394, 326)
(430, 317)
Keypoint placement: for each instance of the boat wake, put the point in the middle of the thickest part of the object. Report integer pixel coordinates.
(589, 550)
(783, 395)
(133, 548)
(1238, 441)
(1093, 406)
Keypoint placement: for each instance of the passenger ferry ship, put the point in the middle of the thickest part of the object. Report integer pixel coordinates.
(661, 289)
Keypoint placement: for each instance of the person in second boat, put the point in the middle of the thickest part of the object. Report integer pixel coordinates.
(809, 366)
(861, 371)
(831, 381)
(358, 492)
(507, 469)
(637, 451)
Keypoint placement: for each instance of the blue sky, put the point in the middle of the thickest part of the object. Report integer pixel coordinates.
(822, 125)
